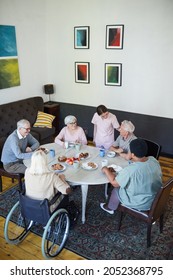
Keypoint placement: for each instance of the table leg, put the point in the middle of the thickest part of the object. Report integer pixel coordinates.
(84, 189)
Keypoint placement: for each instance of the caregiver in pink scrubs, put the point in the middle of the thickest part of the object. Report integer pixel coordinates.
(104, 125)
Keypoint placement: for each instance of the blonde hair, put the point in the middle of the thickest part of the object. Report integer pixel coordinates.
(39, 163)
(128, 126)
(70, 119)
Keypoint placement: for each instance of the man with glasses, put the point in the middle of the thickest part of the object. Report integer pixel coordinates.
(19, 145)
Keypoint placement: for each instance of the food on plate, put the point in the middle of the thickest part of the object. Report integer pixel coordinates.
(92, 164)
(71, 160)
(57, 166)
(62, 158)
(43, 149)
(83, 155)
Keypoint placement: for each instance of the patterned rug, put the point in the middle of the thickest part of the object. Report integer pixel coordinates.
(99, 239)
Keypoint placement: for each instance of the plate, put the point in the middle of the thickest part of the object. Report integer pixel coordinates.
(46, 151)
(82, 158)
(117, 168)
(87, 167)
(111, 154)
(59, 171)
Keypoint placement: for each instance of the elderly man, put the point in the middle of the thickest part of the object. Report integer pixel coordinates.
(137, 184)
(19, 145)
(122, 144)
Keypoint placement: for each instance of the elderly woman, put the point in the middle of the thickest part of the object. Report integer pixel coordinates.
(122, 144)
(71, 132)
(42, 183)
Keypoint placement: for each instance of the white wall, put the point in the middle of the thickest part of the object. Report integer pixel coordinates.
(146, 56)
(29, 19)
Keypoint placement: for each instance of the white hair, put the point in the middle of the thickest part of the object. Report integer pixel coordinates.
(39, 163)
(22, 123)
(128, 126)
(70, 119)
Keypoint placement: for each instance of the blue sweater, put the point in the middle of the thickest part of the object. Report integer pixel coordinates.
(15, 149)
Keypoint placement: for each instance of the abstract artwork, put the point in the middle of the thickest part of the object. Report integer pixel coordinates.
(114, 36)
(82, 72)
(113, 74)
(81, 37)
(9, 68)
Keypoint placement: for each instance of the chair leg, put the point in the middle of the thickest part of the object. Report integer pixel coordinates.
(149, 235)
(161, 223)
(120, 220)
(0, 184)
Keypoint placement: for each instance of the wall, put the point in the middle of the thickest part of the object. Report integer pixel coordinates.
(45, 39)
(146, 56)
(30, 21)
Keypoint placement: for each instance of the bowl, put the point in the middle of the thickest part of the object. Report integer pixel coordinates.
(111, 154)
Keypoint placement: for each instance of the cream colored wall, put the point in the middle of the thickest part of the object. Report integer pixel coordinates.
(45, 37)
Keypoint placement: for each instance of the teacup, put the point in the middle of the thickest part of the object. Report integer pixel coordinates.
(77, 146)
(52, 152)
(66, 144)
(76, 164)
(104, 162)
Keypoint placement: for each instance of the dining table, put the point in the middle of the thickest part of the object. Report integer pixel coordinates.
(83, 174)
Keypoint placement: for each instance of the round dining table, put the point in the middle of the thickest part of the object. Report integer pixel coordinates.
(81, 175)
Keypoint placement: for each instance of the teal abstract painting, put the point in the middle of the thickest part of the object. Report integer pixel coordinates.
(9, 68)
(8, 46)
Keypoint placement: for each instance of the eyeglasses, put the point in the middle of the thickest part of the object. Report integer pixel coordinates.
(26, 128)
(73, 123)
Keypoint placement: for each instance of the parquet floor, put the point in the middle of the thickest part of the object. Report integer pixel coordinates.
(30, 248)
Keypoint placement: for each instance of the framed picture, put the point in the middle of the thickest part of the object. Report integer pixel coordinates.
(82, 74)
(81, 37)
(114, 36)
(113, 74)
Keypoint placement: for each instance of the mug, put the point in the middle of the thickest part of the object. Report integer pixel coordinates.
(76, 164)
(52, 152)
(66, 144)
(77, 146)
(102, 153)
(104, 162)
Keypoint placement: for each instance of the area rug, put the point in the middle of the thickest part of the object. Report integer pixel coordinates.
(98, 238)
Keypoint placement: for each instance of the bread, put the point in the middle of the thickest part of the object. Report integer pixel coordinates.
(57, 166)
(62, 159)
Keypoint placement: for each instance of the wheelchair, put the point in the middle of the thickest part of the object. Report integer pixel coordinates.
(28, 212)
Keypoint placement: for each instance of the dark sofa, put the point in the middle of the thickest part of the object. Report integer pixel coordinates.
(11, 113)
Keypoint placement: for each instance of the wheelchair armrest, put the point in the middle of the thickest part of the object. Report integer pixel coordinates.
(54, 199)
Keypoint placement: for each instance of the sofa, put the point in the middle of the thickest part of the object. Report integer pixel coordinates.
(11, 113)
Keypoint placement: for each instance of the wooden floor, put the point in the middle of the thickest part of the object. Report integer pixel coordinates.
(30, 248)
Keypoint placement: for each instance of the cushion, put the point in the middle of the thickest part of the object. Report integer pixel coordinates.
(44, 120)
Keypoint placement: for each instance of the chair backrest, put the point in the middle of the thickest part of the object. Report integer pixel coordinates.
(154, 148)
(35, 210)
(160, 201)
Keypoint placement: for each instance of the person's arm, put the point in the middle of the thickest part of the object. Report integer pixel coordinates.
(61, 184)
(126, 156)
(94, 132)
(111, 177)
(33, 144)
(59, 139)
(83, 138)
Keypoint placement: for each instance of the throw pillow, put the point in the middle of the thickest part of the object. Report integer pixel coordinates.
(44, 120)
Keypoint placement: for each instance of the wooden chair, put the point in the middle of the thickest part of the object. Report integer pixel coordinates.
(154, 148)
(13, 176)
(156, 212)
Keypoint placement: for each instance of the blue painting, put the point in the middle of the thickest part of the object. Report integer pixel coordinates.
(8, 46)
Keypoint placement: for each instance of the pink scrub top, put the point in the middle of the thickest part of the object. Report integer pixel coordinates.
(104, 135)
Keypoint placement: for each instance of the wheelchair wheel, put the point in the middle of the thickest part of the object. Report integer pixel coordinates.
(55, 234)
(16, 227)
